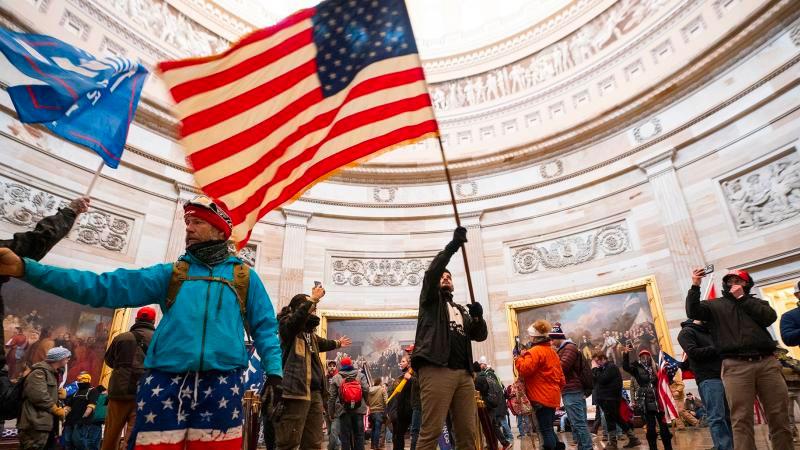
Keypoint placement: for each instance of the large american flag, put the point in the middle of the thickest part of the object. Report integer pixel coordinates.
(667, 368)
(326, 87)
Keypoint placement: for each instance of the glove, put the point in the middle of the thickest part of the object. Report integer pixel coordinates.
(62, 393)
(273, 398)
(59, 412)
(475, 310)
(460, 235)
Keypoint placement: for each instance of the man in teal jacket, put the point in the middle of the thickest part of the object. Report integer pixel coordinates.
(192, 391)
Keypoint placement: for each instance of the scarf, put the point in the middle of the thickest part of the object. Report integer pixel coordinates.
(210, 253)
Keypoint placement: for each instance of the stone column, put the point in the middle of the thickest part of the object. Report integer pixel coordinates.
(292, 259)
(684, 247)
(176, 245)
(474, 248)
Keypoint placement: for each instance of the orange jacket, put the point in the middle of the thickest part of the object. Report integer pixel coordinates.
(540, 370)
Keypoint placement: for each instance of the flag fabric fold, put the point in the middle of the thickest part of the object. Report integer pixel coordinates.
(667, 368)
(83, 99)
(288, 105)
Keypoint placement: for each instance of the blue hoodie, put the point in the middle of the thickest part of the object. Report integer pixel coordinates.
(202, 330)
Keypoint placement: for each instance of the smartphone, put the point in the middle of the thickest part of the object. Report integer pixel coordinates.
(317, 283)
(708, 269)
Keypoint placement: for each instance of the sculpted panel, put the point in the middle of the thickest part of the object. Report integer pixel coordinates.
(557, 58)
(766, 195)
(571, 250)
(25, 205)
(391, 272)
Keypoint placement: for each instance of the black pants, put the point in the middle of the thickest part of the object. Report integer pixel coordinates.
(611, 410)
(399, 429)
(651, 418)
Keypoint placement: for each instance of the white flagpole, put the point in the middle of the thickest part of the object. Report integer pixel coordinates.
(94, 179)
(708, 288)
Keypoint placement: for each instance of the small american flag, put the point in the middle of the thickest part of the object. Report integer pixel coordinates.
(667, 368)
(287, 105)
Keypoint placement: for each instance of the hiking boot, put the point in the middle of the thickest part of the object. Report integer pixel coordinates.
(612, 443)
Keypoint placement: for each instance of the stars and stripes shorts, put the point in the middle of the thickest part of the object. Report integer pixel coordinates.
(195, 410)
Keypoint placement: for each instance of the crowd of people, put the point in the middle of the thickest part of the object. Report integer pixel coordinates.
(180, 384)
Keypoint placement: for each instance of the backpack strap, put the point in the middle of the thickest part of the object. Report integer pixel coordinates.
(239, 286)
(180, 273)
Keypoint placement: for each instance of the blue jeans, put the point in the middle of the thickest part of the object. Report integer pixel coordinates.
(416, 423)
(333, 435)
(524, 425)
(89, 436)
(506, 426)
(70, 437)
(352, 431)
(575, 406)
(545, 417)
(712, 393)
(376, 419)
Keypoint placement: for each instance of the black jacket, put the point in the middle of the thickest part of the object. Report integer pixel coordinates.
(300, 360)
(78, 402)
(644, 395)
(607, 383)
(738, 327)
(432, 341)
(35, 244)
(704, 359)
(126, 356)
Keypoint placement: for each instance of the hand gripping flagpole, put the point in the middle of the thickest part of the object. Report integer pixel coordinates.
(458, 220)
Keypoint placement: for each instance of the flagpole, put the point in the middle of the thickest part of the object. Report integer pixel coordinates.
(94, 179)
(708, 288)
(458, 220)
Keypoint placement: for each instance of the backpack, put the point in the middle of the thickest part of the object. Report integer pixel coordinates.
(11, 395)
(495, 394)
(137, 365)
(518, 401)
(585, 375)
(239, 286)
(350, 392)
(99, 415)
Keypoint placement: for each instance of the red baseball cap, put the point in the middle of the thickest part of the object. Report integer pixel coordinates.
(147, 314)
(738, 273)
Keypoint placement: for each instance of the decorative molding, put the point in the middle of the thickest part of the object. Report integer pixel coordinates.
(384, 194)
(647, 130)
(794, 35)
(377, 272)
(25, 205)
(69, 18)
(107, 45)
(575, 49)
(249, 254)
(466, 189)
(551, 169)
(764, 194)
(572, 249)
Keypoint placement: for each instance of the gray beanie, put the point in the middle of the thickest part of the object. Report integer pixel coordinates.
(56, 354)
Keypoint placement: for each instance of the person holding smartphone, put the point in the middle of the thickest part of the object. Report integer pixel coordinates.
(297, 411)
(738, 324)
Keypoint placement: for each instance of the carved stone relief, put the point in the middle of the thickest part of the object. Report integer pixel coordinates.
(647, 130)
(551, 169)
(388, 272)
(164, 23)
(384, 194)
(573, 50)
(571, 250)
(25, 205)
(794, 35)
(248, 254)
(766, 195)
(466, 189)
(75, 25)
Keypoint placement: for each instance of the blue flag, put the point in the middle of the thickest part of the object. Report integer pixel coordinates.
(83, 99)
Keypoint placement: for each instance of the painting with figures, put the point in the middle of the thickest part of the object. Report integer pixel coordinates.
(605, 323)
(36, 321)
(378, 343)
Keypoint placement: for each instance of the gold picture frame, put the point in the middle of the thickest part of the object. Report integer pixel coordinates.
(653, 299)
(118, 325)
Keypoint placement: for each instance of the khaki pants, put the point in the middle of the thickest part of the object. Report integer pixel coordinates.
(119, 413)
(300, 425)
(442, 390)
(744, 380)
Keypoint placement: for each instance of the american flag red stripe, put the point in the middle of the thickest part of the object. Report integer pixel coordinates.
(327, 87)
(664, 393)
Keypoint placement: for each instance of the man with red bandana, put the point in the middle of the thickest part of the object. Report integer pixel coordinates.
(738, 324)
(191, 393)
